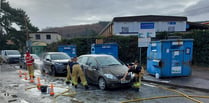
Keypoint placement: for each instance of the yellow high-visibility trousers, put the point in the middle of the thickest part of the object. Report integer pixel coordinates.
(30, 70)
(77, 72)
(68, 74)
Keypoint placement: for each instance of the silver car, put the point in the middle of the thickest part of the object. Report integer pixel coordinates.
(38, 64)
(55, 63)
(10, 56)
(104, 70)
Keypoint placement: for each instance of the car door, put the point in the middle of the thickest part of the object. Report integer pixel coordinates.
(83, 61)
(47, 63)
(92, 69)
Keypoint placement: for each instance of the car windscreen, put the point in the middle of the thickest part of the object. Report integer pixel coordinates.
(12, 52)
(107, 61)
(59, 56)
(35, 56)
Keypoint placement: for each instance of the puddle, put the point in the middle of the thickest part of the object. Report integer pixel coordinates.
(23, 101)
(36, 92)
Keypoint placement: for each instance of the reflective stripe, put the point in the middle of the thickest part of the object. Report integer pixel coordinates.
(29, 60)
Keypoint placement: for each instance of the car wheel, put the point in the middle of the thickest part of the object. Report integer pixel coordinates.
(53, 71)
(43, 72)
(102, 84)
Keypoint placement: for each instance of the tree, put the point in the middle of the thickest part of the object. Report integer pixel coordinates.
(10, 16)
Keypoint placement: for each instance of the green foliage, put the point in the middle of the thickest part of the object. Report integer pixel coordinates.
(200, 47)
(128, 45)
(8, 32)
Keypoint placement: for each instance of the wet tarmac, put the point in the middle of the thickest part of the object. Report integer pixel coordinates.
(14, 89)
(199, 80)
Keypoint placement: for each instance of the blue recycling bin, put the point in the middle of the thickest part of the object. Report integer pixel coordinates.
(69, 49)
(107, 48)
(169, 58)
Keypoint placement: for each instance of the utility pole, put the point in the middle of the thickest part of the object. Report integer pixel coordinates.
(28, 44)
(26, 27)
(0, 17)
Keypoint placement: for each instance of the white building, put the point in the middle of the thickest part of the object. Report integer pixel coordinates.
(132, 25)
(47, 37)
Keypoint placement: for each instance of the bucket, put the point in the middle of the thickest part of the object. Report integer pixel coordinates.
(44, 88)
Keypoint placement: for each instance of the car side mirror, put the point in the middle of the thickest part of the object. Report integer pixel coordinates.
(94, 67)
(48, 60)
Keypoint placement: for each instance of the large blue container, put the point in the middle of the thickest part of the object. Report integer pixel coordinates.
(169, 58)
(69, 49)
(108, 48)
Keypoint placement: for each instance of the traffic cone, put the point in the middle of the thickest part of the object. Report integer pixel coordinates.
(26, 78)
(20, 73)
(38, 84)
(52, 90)
(31, 79)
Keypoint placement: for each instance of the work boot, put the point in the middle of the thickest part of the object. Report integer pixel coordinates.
(86, 87)
(67, 82)
(136, 89)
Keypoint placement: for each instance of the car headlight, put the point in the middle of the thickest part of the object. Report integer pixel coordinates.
(132, 75)
(110, 76)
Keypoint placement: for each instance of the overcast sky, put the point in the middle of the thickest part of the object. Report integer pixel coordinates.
(57, 13)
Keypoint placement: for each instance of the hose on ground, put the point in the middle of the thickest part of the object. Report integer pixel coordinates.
(158, 97)
(181, 93)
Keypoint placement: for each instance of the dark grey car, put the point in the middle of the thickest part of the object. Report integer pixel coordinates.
(55, 63)
(104, 70)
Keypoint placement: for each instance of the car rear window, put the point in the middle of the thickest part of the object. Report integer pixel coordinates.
(12, 52)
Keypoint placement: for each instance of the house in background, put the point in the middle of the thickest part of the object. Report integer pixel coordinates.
(47, 37)
(132, 25)
(206, 23)
(197, 26)
(39, 40)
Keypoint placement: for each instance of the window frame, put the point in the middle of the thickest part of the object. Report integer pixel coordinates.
(48, 37)
(38, 37)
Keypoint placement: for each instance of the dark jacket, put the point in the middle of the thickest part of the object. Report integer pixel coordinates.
(135, 70)
(71, 65)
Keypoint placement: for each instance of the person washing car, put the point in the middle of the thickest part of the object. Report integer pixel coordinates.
(75, 71)
(69, 72)
(138, 71)
(29, 63)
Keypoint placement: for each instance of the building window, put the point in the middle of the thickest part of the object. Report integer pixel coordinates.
(38, 37)
(48, 36)
(171, 28)
(125, 29)
(172, 23)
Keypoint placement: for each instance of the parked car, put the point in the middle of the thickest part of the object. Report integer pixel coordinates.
(104, 70)
(38, 64)
(10, 56)
(55, 63)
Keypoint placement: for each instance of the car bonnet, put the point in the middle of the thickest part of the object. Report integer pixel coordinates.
(115, 70)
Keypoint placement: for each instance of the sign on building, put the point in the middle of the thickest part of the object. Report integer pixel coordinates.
(146, 31)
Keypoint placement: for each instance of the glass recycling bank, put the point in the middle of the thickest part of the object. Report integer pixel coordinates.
(169, 58)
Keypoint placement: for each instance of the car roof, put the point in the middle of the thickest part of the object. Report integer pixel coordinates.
(55, 53)
(95, 55)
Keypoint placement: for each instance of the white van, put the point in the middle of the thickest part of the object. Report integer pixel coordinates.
(10, 56)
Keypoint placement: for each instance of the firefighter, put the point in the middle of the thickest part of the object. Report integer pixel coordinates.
(138, 72)
(69, 72)
(1, 60)
(29, 63)
(77, 72)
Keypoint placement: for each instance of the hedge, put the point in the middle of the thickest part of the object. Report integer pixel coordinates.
(128, 45)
